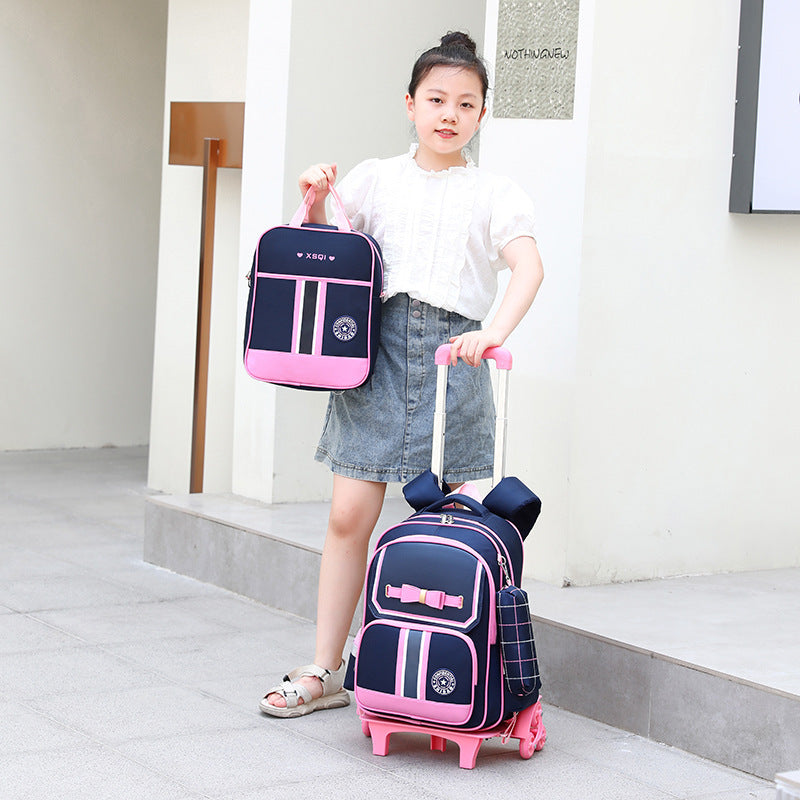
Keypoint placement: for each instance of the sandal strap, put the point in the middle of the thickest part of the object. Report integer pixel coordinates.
(292, 691)
(311, 671)
(331, 679)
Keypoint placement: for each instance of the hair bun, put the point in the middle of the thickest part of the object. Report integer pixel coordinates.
(458, 39)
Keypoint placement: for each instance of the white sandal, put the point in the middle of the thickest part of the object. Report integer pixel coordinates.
(333, 695)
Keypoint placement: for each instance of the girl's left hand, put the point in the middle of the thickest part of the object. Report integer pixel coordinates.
(471, 346)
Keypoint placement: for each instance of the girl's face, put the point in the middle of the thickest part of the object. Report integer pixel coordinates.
(446, 110)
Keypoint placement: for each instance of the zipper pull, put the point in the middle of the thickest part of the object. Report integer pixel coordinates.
(446, 519)
(504, 567)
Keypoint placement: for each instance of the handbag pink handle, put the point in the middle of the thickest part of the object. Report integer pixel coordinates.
(501, 356)
(339, 214)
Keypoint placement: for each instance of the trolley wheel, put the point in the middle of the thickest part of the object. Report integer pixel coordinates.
(526, 748)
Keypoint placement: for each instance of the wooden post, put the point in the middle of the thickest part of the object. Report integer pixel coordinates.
(210, 164)
(211, 135)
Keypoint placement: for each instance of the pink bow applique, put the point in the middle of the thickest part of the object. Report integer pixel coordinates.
(433, 598)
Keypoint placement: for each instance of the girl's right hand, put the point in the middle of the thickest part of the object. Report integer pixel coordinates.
(320, 176)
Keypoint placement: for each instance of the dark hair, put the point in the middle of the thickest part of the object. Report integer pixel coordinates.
(456, 49)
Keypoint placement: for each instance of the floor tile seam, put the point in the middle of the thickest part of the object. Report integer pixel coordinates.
(663, 657)
(94, 742)
(683, 755)
(156, 598)
(735, 794)
(108, 649)
(368, 764)
(168, 683)
(77, 450)
(203, 587)
(231, 594)
(89, 744)
(45, 651)
(54, 553)
(290, 737)
(164, 679)
(152, 600)
(32, 615)
(93, 510)
(201, 639)
(167, 738)
(100, 743)
(153, 770)
(253, 602)
(60, 724)
(60, 506)
(76, 570)
(409, 784)
(138, 665)
(731, 772)
(577, 755)
(41, 697)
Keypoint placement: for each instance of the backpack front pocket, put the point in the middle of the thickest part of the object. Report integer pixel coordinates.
(417, 672)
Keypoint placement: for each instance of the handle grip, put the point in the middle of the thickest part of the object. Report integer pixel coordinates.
(339, 214)
(500, 355)
(469, 504)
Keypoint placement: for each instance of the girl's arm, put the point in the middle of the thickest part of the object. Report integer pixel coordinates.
(320, 176)
(522, 256)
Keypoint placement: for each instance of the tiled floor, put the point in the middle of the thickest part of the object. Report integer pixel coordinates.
(122, 680)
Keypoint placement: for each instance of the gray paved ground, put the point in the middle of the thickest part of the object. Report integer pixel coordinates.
(122, 680)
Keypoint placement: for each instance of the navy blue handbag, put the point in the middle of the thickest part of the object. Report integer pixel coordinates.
(313, 313)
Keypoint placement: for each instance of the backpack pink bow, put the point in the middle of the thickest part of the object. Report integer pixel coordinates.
(429, 597)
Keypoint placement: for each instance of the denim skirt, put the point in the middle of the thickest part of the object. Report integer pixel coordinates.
(382, 431)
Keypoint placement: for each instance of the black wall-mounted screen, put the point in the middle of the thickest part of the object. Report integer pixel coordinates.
(765, 176)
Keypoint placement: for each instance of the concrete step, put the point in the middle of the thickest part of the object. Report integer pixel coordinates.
(707, 664)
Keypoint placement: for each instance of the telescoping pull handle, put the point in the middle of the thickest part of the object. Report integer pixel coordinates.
(339, 214)
(503, 360)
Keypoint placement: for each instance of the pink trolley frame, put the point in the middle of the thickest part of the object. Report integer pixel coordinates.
(527, 726)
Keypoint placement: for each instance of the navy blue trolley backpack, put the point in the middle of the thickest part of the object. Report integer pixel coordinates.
(313, 313)
(436, 647)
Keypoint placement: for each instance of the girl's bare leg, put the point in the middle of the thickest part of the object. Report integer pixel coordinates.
(355, 508)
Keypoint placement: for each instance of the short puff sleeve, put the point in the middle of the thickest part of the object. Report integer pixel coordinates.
(356, 190)
(512, 216)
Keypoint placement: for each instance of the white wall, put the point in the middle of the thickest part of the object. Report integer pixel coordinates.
(655, 386)
(685, 446)
(81, 87)
(206, 61)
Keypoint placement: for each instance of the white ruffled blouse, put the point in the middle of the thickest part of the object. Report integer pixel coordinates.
(441, 233)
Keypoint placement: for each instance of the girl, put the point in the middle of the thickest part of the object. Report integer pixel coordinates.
(445, 228)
